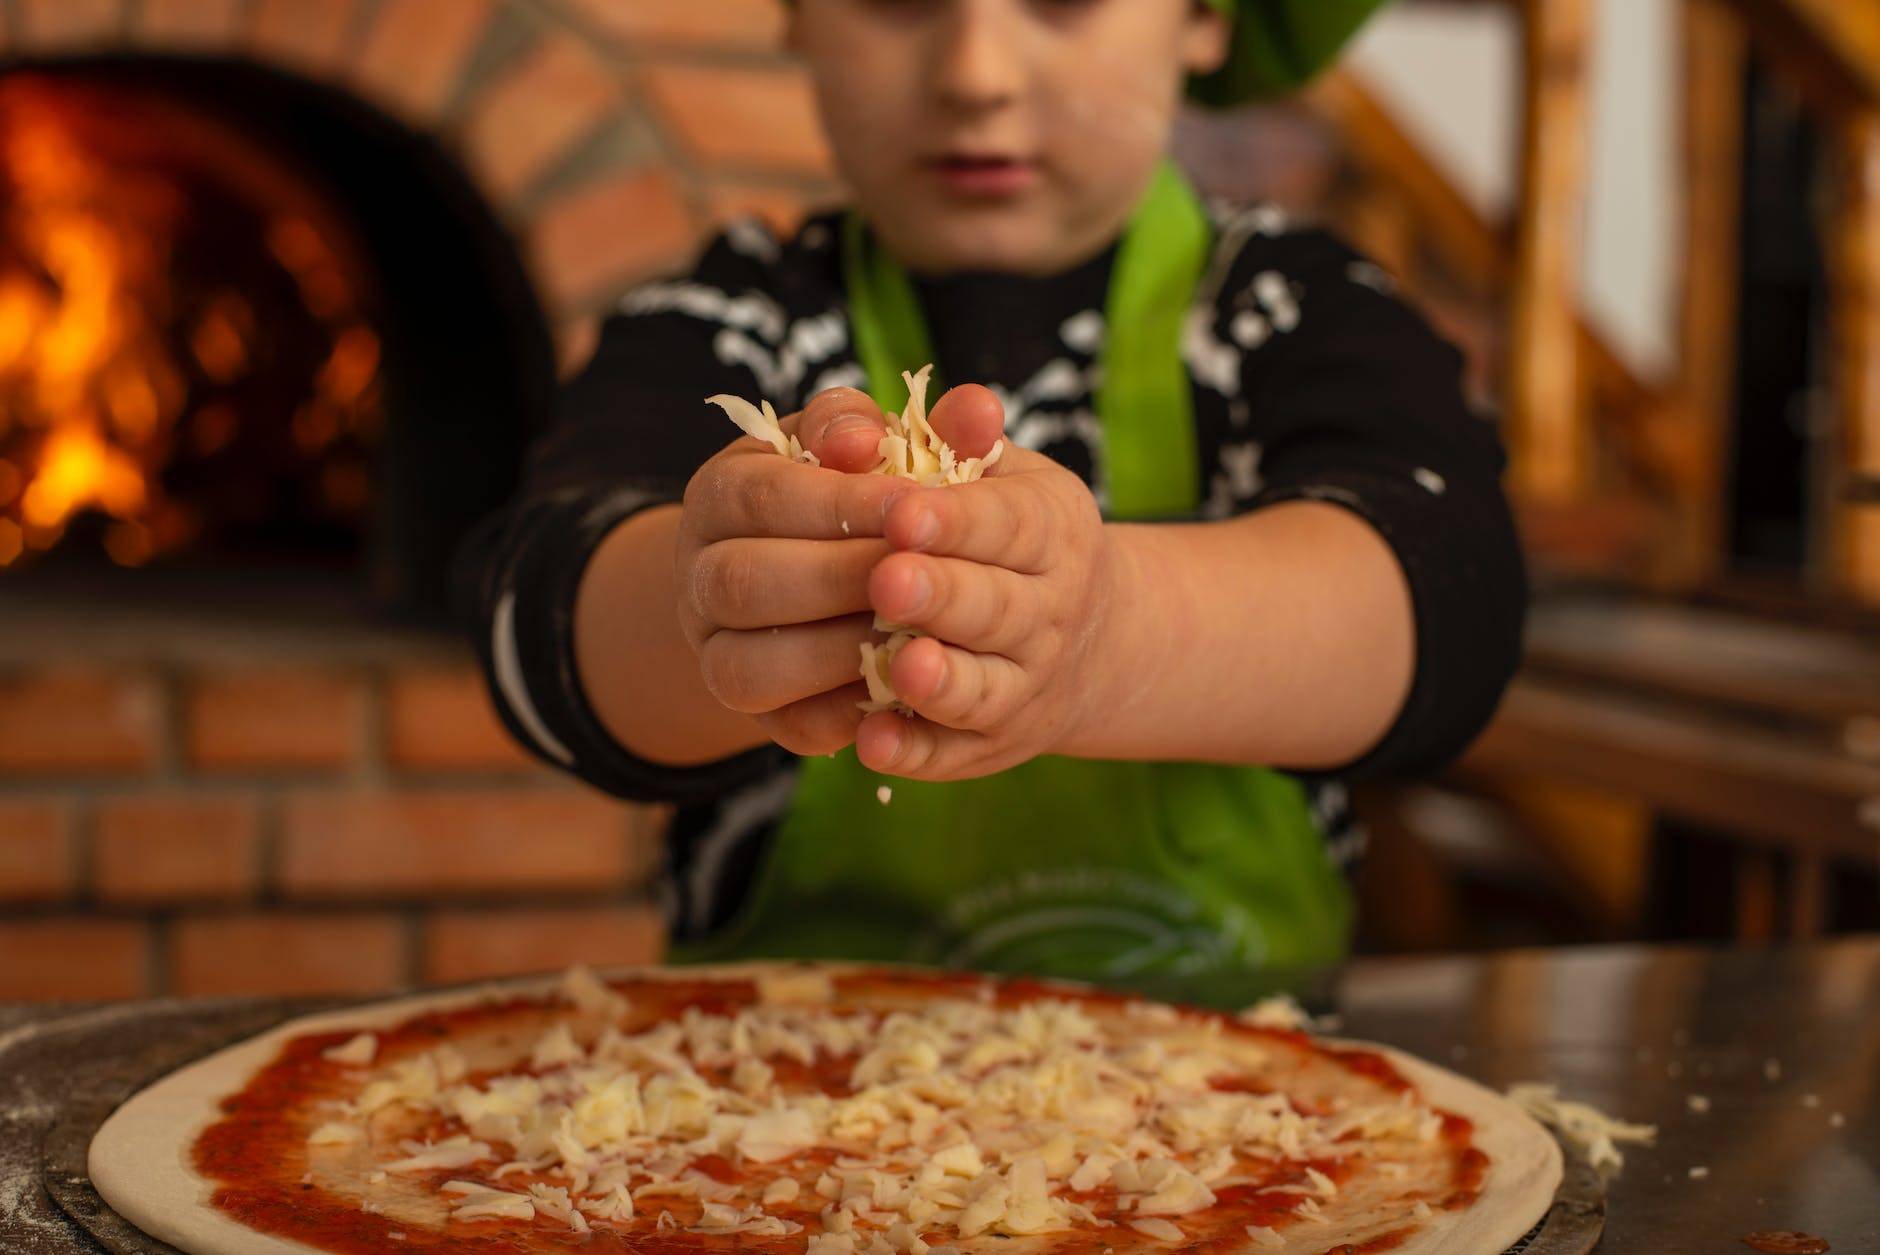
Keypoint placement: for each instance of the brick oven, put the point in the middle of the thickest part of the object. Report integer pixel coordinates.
(335, 248)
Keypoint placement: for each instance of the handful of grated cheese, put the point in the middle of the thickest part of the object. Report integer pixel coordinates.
(910, 449)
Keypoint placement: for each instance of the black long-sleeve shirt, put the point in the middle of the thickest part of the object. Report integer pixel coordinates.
(1310, 380)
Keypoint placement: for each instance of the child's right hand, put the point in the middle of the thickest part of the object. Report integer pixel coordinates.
(773, 559)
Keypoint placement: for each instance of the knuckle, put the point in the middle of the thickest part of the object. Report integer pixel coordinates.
(789, 728)
(734, 585)
(805, 728)
(731, 675)
(757, 497)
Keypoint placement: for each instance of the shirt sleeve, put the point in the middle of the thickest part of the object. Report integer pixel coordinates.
(630, 431)
(1356, 401)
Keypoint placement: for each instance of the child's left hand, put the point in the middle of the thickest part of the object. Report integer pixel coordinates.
(1012, 579)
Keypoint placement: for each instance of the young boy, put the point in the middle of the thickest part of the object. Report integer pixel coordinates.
(1246, 541)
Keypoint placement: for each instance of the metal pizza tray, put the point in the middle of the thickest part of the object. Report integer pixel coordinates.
(100, 1068)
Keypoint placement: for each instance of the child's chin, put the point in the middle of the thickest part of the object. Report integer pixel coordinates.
(987, 240)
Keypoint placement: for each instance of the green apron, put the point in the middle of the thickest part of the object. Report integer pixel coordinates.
(1058, 867)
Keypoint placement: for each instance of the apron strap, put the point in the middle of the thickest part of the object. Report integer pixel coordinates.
(1151, 467)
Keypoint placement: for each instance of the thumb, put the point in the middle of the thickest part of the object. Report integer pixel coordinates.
(970, 419)
(843, 428)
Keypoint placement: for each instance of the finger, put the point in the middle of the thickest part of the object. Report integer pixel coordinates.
(918, 750)
(971, 419)
(746, 492)
(957, 688)
(759, 582)
(816, 725)
(971, 604)
(843, 427)
(767, 669)
(1006, 522)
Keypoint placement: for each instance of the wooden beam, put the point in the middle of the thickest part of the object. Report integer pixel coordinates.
(1480, 251)
(1808, 898)
(1855, 283)
(1755, 905)
(1698, 438)
(1477, 249)
(1549, 445)
(1832, 46)
(1761, 784)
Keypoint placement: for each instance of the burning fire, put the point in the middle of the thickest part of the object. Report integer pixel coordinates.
(117, 367)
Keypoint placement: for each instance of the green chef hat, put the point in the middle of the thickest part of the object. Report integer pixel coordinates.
(1279, 45)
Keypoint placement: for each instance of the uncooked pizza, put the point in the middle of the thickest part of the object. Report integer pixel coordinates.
(834, 1110)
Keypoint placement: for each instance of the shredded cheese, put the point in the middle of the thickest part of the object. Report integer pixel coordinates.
(1588, 1130)
(360, 1051)
(334, 1133)
(961, 1118)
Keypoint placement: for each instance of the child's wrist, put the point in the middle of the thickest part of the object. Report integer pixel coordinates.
(1123, 655)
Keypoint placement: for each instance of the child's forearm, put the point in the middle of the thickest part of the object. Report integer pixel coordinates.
(1284, 638)
(636, 668)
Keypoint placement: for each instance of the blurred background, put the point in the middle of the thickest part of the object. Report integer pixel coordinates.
(285, 287)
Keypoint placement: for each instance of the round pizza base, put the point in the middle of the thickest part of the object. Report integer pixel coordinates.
(140, 1158)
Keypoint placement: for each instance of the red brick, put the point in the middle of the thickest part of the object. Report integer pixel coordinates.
(38, 855)
(416, 52)
(782, 209)
(68, 23)
(189, 22)
(442, 720)
(736, 23)
(309, 35)
(72, 958)
(749, 118)
(536, 111)
(288, 954)
(176, 847)
(466, 841)
(472, 945)
(79, 722)
(274, 719)
(597, 239)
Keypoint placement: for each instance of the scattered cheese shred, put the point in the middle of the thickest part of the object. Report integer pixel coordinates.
(587, 992)
(1161, 1230)
(334, 1133)
(910, 449)
(1588, 1130)
(360, 1051)
(800, 986)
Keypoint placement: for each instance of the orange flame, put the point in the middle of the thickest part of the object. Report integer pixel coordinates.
(103, 378)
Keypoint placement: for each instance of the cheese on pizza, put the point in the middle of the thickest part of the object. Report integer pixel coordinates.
(824, 1117)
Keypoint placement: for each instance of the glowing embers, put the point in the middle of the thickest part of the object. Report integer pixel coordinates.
(186, 354)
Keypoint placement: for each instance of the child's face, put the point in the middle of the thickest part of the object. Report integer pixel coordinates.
(1012, 135)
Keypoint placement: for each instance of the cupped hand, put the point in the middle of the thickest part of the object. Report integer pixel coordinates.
(773, 561)
(1011, 579)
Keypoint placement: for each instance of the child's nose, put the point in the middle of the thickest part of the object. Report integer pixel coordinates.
(979, 62)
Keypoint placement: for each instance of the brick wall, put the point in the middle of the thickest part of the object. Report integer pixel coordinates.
(289, 826)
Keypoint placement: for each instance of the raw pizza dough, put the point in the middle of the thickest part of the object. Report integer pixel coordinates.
(140, 1160)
